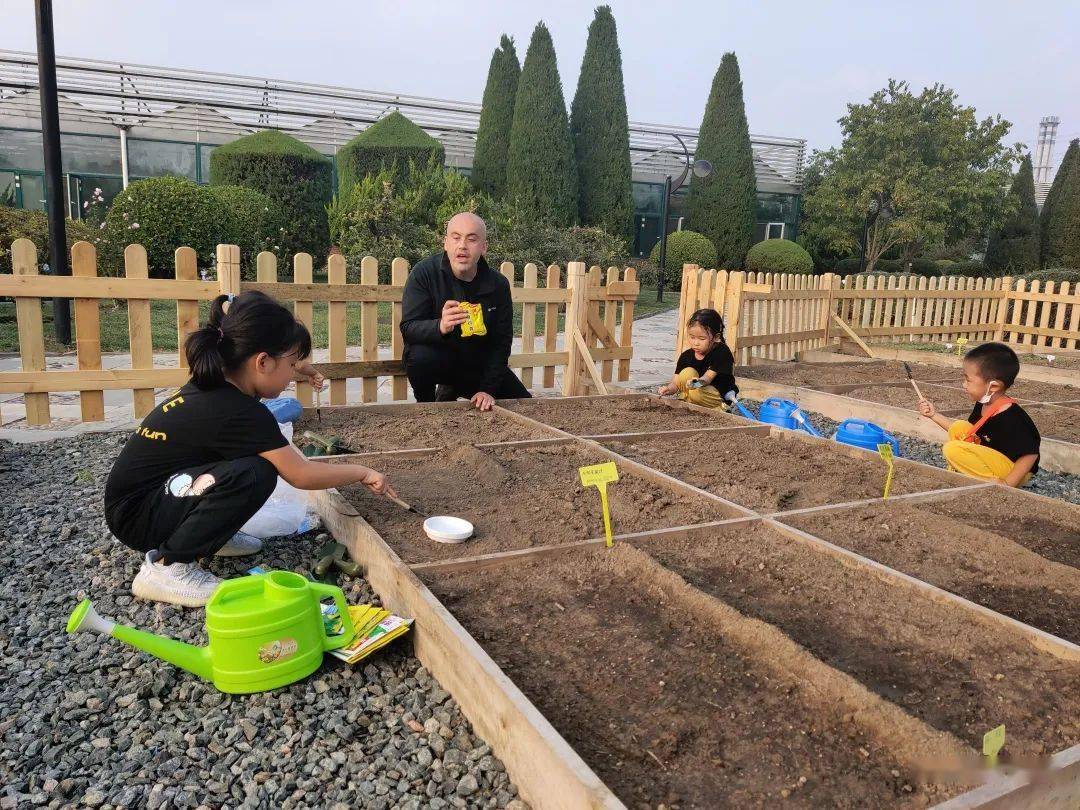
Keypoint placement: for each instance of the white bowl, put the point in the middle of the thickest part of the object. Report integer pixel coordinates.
(447, 529)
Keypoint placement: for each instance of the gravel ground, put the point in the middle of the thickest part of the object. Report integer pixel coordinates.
(91, 721)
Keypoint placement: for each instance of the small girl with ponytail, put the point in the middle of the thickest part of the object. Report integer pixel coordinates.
(207, 458)
(704, 373)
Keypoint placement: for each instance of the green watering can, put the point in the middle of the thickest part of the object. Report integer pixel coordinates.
(265, 631)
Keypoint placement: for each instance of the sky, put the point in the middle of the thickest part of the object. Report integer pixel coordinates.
(801, 62)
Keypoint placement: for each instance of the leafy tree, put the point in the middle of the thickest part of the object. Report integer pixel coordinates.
(920, 169)
(722, 206)
(390, 142)
(540, 171)
(1059, 224)
(600, 129)
(1014, 247)
(496, 118)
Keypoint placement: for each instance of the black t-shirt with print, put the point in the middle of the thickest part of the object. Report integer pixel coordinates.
(190, 428)
(719, 359)
(1011, 432)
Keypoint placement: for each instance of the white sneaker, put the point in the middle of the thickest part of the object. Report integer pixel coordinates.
(240, 545)
(185, 584)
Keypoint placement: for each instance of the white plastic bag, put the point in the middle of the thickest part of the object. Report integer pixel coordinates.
(285, 511)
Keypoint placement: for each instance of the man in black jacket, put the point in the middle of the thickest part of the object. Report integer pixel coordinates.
(461, 349)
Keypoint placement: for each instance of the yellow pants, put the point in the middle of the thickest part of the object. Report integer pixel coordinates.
(973, 459)
(707, 396)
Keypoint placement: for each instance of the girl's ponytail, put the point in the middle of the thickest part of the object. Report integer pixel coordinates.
(204, 351)
(253, 323)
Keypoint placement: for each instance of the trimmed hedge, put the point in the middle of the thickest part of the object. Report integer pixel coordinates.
(1054, 274)
(161, 214)
(684, 247)
(22, 223)
(250, 220)
(390, 143)
(288, 172)
(778, 256)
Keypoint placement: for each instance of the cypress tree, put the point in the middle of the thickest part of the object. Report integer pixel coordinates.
(600, 129)
(496, 117)
(1014, 247)
(1060, 220)
(722, 205)
(540, 171)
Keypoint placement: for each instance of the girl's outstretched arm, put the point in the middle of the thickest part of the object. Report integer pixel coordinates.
(303, 473)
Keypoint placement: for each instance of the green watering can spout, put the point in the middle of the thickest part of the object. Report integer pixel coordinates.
(84, 619)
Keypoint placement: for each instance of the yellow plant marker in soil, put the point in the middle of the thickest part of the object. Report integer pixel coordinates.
(599, 476)
(960, 344)
(993, 741)
(885, 451)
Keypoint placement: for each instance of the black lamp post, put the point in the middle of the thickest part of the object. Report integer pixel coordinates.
(701, 168)
(54, 189)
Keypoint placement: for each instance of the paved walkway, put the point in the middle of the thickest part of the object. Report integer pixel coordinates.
(651, 365)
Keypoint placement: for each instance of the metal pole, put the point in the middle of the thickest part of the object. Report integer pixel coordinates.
(50, 137)
(663, 241)
(123, 156)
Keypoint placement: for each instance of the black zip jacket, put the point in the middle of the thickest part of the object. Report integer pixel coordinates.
(430, 285)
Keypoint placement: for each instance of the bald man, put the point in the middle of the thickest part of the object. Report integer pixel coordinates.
(443, 360)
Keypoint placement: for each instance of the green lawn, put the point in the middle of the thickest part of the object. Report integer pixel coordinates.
(114, 324)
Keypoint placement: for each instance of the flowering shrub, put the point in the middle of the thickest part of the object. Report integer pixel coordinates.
(161, 214)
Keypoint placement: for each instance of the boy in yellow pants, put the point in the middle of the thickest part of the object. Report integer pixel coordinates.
(705, 372)
(999, 442)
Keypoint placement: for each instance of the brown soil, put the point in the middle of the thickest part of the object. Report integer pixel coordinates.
(1043, 391)
(772, 474)
(659, 696)
(1056, 423)
(972, 562)
(944, 399)
(814, 374)
(1060, 360)
(949, 668)
(617, 414)
(417, 426)
(518, 498)
(1047, 527)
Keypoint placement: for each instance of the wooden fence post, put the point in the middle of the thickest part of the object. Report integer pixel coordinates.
(399, 274)
(336, 324)
(577, 314)
(687, 296)
(626, 326)
(551, 323)
(88, 332)
(1001, 316)
(829, 282)
(140, 340)
(733, 307)
(228, 269)
(303, 310)
(369, 328)
(186, 268)
(528, 322)
(31, 330)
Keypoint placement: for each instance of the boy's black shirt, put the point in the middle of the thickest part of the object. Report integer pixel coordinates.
(719, 359)
(190, 428)
(1010, 432)
(430, 285)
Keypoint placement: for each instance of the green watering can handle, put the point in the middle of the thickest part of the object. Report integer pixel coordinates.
(334, 642)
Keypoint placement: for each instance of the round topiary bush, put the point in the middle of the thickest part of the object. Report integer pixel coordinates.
(161, 214)
(393, 141)
(684, 247)
(778, 256)
(290, 173)
(250, 220)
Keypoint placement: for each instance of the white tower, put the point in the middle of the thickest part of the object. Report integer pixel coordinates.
(1044, 157)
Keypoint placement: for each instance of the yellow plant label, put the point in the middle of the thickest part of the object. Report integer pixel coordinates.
(595, 474)
(599, 476)
(885, 451)
(960, 344)
(993, 741)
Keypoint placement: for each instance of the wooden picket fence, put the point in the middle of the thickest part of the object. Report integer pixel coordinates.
(774, 316)
(597, 306)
